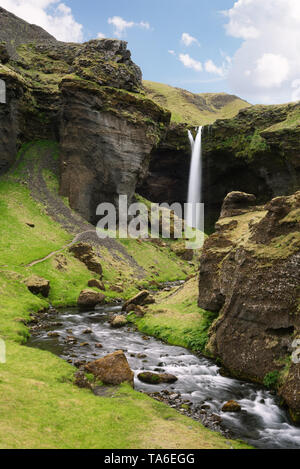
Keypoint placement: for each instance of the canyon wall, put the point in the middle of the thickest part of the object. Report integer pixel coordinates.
(250, 276)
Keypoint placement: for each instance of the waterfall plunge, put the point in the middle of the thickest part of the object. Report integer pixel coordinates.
(195, 181)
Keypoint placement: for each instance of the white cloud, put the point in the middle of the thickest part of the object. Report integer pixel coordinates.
(266, 66)
(52, 15)
(120, 25)
(296, 90)
(100, 36)
(210, 67)
(189, 62)
(172, 52)
(188, 40)
(271, 70)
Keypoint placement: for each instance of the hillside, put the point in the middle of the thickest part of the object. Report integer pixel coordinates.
(198, 109)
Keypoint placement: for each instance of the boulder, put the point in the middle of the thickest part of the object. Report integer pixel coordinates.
(235, 203)
(84, 252)
(89, 298)
(118, 321)
(138, 299)
(117, 289)
(113, 369)
(231, 406)
(155, 378)
(138, 310)
(94, 283)
(38, 285)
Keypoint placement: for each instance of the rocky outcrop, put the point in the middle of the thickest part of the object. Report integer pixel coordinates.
(250, 275)
(85, 253)
(112, 369)
(38, 285)
(86, 96)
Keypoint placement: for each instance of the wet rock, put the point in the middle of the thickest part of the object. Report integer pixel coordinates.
(89, 299)
(141, 355)
(84, 344)
(53, 334)
(98, 345)
(118, 322)
(94, 283)
(38, 285)
(154, 378)
(231, 406)
(87, 331)
(112, 369)
(79, 363)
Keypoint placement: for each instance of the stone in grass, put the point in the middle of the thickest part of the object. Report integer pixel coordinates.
(154, 378)
(118, 321)
(113, 369)
(38, 285)
(231, 406)
(94, 283)
(89, 299)
(138, 299)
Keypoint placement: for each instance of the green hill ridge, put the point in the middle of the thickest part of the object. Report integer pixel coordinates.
(194, 108)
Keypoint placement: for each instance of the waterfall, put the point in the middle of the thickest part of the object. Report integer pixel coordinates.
(195, 180)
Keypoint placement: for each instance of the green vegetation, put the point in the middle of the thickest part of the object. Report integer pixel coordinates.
(177, 319)
(41, 408)
(196, 109)
(39, 405)
(271, 379)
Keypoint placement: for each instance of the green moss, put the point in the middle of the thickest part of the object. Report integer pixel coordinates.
(271, 379)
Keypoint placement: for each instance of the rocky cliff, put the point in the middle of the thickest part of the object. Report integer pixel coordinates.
(257, 151)
(89, 98)
(250, 276)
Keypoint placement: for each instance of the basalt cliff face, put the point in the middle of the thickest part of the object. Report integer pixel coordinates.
(250, 276)
(89, 98)
(257, 152)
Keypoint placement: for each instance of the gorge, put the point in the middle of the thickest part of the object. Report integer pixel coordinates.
(80, 127)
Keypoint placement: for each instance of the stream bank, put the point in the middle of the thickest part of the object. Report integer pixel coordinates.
(201, 390)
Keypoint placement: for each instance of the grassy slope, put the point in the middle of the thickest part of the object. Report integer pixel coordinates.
(197, 109)
(39, 405)
(176, 318)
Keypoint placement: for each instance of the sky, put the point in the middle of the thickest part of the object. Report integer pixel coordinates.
(250, 48)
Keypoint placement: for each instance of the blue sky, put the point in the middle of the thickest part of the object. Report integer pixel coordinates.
(251, 49)
(168, 20)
